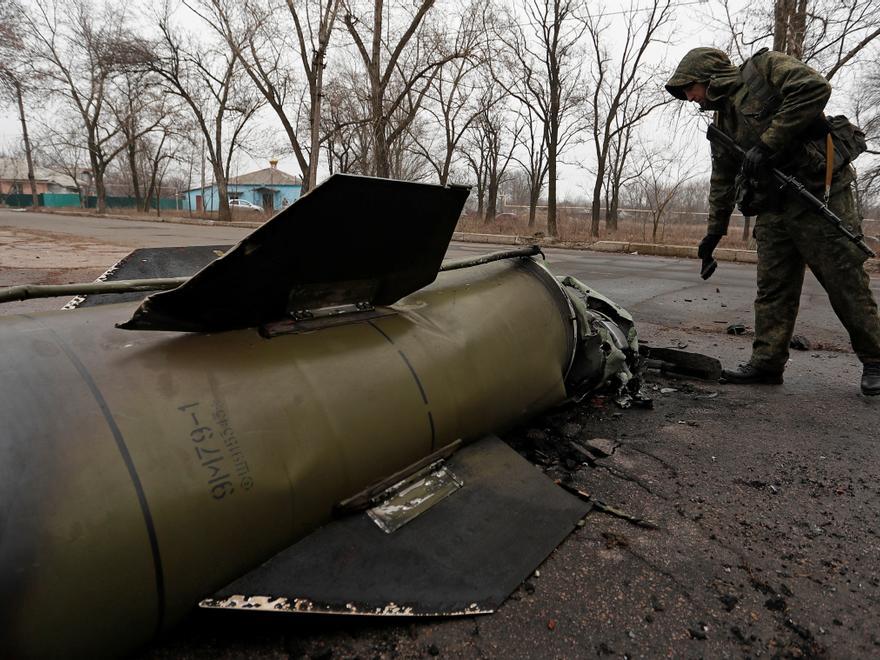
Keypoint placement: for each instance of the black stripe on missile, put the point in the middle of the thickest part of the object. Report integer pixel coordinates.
(415, 377)
(129, 464)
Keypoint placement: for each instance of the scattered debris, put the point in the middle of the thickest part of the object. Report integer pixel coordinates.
(802, 631)
(667, 390)
(571, 430)
(800, 343)
(600, 506)
(536, 435)
(613, 540)
(680, 362)
(698, 632)
(729, 601)
(736, 329)
(601, 447)
(551, 624)
(776, 603)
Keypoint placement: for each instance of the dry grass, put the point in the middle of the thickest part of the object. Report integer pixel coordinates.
(574, 227)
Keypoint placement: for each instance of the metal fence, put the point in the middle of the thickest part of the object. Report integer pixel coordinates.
(67, 200)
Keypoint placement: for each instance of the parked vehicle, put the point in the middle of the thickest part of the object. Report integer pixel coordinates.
(244, 204)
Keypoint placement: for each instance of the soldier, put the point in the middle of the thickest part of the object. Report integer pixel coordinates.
(772, 107)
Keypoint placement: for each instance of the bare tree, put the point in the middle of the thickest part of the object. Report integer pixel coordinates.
(828, 35)
(449, 99)
(664, 172)
(204, 78)
(401, 60)
(142, 113)
(12, 77)
(489, 150)
(544, 73)
(619, 172)
(78, 48)
(270, 50)
(624, 90)
(475, 149)
(60, 147)
(531, 155)
(347, 136)
(867, 115)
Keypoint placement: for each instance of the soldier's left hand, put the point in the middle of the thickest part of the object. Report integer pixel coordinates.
(756, 159)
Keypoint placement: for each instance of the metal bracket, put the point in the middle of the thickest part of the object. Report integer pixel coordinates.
(331, 310)
(311, 320)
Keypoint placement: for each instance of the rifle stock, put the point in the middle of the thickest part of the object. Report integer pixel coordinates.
(714, 134)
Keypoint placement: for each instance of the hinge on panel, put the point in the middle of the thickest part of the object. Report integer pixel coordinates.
(331, 310)
(309, 320)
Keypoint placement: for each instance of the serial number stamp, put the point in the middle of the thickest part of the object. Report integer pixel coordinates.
(217, 449)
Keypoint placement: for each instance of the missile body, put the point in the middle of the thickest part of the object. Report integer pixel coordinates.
(141, 471)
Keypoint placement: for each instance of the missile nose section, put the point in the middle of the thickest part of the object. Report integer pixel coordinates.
(152, 453)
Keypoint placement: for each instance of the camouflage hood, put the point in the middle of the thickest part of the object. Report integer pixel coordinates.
(704, 65)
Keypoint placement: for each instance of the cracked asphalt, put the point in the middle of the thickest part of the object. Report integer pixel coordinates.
(765, 511)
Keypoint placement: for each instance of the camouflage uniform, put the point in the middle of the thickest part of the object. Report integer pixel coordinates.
(789, 235)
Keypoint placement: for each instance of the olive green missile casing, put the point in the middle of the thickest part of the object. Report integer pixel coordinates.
(141, 471)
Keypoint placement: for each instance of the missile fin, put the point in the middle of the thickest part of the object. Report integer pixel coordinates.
(463, 556)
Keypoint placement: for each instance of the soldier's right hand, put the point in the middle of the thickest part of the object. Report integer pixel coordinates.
(755, 160)
(704, 251)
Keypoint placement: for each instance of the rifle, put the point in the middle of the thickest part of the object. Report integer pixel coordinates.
(714, 134)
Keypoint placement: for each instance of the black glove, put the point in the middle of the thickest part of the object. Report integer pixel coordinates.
(707, 246)
(704, 251)
(755, 160)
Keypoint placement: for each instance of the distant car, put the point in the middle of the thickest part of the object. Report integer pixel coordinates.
(244, 204)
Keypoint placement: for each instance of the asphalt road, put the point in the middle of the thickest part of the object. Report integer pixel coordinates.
(765, 499)
(657, 290)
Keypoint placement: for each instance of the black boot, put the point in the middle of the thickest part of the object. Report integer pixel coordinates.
(747, 374)
(871, 379)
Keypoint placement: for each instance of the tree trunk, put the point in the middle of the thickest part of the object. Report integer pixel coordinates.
(595, 209)
(35, 200)
(552, 229)
(789, 26)
(100, 192)
(142, 204)
(491, 198)
(223, 211)
(612, 213)
(381, 166)
(534, 195)
(317, 101)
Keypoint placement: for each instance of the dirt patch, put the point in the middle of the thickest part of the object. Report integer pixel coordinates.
(35, 249)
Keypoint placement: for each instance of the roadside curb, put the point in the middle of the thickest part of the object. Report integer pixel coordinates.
(168, 220)
(625, 247)
(684, 251)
